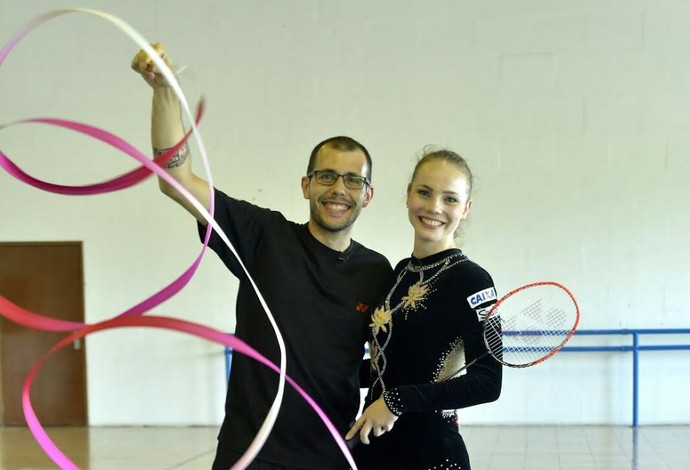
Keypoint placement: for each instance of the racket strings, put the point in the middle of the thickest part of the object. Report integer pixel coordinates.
(493, 337)
(530, 325)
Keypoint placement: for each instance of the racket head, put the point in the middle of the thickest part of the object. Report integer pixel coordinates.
(531, 323)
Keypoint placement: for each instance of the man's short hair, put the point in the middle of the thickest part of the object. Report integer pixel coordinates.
(344, 144)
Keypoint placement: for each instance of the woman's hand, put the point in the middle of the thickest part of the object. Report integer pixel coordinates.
(377, 418)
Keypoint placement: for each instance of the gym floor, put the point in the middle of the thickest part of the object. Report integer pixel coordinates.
(491, 448)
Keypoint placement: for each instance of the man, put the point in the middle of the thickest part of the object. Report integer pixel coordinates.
(319, 284)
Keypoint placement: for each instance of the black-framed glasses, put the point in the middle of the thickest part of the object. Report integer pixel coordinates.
(329, 177)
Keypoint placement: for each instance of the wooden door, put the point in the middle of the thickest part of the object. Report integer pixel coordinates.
(46, 278)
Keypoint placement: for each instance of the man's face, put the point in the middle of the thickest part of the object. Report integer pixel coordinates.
(335, 208)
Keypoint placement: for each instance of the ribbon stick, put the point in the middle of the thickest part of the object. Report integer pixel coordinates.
(134, 315)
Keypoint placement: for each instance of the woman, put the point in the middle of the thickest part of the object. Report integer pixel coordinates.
(428, 325)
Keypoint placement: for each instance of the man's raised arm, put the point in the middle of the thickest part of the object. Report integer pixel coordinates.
(167, 130)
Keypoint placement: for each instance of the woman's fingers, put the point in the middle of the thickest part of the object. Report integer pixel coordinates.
(364, 432)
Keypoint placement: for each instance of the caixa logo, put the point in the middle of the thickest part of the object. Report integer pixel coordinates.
(482, 296)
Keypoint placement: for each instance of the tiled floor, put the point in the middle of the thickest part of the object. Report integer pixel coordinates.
(491, 448)
(578, 447)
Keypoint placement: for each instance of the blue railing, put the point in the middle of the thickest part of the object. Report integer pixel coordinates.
(228, 363)
(636, 348)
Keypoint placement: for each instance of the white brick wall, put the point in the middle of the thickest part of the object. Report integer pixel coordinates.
(574, 115)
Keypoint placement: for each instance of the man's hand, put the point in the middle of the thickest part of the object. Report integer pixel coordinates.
(377, 418)
(143, 64)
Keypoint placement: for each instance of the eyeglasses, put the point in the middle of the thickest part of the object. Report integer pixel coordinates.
(328, 178)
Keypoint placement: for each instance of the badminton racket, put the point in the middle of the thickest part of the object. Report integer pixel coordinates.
(528, 325)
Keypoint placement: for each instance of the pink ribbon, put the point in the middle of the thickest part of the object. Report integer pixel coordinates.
(121, 182)
(133, 317)
(150, 321)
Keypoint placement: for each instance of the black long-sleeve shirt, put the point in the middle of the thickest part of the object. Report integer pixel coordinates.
(432, 315)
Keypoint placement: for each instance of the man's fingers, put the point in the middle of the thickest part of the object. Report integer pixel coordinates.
(136, 61)
(143, 63)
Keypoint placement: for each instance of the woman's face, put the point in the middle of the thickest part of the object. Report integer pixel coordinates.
(437, 200)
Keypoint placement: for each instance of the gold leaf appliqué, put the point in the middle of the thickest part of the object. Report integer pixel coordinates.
(381, 317)
(415, 295)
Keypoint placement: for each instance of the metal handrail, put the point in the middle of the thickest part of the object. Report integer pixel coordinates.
(636, 348)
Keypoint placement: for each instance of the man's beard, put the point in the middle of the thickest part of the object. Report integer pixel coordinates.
(337, 226)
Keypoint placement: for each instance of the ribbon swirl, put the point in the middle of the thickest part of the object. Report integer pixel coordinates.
(134, 316)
